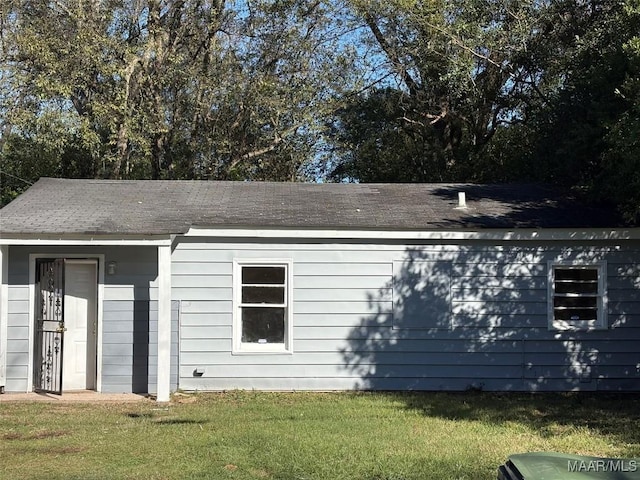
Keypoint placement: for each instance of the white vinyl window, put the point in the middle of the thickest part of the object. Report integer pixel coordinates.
(262, 310)
(577, 296)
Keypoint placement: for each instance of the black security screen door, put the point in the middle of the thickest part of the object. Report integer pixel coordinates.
(49, 317)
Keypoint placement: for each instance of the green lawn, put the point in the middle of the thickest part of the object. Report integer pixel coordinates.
(247, 435)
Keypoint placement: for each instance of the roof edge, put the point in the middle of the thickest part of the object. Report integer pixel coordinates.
(524, 234)
(544, 234)
(80, 240)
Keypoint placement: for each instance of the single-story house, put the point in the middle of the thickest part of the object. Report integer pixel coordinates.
(153, 286)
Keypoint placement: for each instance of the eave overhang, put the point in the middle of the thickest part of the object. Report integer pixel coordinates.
(86, 240)
(524, 234)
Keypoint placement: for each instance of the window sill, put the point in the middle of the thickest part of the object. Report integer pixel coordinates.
(258, 351)
(568, 327)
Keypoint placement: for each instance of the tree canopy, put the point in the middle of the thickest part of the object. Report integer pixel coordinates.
(492, 91)
(169, 89)
(337, 90)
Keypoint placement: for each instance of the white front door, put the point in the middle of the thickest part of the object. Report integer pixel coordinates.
(80, 315)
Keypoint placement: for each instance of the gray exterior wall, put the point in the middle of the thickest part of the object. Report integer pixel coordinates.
(470, 315)
(366, 316)
(130, 307)
(129, 315)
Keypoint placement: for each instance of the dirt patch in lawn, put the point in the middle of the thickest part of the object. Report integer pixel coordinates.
(64, 450)
(34, 435)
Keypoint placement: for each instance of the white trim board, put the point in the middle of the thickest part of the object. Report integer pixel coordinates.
(541, 234)
(94, 241)
(488, 234)
(4, 312)
(163, 387)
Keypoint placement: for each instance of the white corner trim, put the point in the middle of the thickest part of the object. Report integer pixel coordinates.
(4, 313)
(163, 387)
(484, 234)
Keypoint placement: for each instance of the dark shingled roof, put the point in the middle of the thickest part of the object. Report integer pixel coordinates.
(146, 207)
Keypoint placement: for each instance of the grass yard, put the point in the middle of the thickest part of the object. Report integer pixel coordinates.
(251, 435)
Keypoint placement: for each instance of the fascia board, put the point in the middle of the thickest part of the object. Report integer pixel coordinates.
(488, 234)
(86, 241)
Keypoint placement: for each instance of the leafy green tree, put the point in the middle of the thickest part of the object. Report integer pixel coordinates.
(374, 149)
(585, 135)
(619, 181)
(172, 89)
(361, 90)
(461, 71)
(510, 90)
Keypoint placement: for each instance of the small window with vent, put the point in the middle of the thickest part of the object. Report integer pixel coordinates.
(577, 297)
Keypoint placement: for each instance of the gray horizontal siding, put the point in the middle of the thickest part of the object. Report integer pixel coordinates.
(125, 344)
(429, 345)
(205, 306)
(332, 359)
(336, 371)
(130, 303)
(18, 321)
(491, 332)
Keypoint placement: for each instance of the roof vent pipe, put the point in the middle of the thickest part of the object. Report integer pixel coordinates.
(462, 200)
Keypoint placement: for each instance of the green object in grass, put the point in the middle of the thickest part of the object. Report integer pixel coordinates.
(559, 466)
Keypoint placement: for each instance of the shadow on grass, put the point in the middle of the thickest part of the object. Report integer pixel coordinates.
(615, 415)
(140, 415)
(178, 421)
(165, 420)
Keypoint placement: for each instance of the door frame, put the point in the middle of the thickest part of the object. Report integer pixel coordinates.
(93, 349)
(90, 258)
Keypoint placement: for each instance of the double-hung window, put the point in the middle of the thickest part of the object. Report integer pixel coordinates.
(262, 311)
(577, 296)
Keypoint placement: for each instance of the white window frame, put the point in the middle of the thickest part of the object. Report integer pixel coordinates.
(267, 348)
(601, 322)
